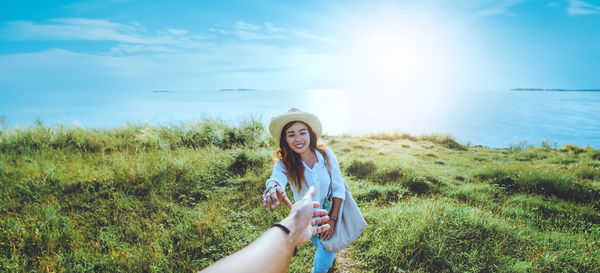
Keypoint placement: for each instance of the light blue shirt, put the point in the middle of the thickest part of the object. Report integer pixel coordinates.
(316, 176)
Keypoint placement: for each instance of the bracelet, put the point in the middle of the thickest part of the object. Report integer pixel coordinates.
(282, 227)
(334, 218)
(269, 188)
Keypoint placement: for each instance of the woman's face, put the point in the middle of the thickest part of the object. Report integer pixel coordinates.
(297, 137)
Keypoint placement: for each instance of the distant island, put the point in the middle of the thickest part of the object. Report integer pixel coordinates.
(161, 91)
(555, 90)
(238, 89)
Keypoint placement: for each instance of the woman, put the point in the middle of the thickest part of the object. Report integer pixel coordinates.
(304, 162)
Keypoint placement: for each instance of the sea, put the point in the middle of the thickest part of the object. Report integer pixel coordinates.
(492, 118)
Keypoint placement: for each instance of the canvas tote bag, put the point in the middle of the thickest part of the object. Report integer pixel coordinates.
(350, 223)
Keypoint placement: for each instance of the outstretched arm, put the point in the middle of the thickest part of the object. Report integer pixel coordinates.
(273, 250)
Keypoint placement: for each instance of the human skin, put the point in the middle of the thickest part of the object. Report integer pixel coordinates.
(298, 139)
(273, 250)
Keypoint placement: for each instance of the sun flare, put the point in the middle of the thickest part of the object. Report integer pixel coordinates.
(407, 51)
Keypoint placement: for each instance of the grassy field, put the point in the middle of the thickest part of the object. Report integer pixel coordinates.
(175, 199)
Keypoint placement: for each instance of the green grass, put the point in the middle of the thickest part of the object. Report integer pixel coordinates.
(140, 198)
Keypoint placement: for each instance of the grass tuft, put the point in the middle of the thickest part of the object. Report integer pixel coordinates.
(361, 169)
(445, 140)
(571, 149)
(392, 136)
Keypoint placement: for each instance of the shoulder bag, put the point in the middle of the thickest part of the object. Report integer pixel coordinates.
(350, 223)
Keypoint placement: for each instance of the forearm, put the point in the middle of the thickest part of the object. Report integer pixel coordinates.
(335, 207)
(271, 252)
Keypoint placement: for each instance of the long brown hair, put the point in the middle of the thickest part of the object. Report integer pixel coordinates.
(292, 161)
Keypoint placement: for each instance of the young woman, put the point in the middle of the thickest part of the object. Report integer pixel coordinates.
(304, 162)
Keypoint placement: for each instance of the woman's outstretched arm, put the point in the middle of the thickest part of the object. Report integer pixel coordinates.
(273, 250)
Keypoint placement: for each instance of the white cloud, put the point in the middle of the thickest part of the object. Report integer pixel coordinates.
(177, 32)
(257, 66)
(273, 29)
(174, 58)
(501, 8)
(243, 26)
(133, 37)
(134, 34)
(74, 29)
(126, 48)
(248, 31)
(218, 30)
(577, 7)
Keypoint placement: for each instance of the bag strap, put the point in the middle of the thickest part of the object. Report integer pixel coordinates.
(330, 191)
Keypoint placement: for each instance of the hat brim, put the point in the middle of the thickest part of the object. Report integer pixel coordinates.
(277, 123)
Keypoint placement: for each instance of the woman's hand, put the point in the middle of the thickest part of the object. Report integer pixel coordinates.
(273, 195)
(328, 234)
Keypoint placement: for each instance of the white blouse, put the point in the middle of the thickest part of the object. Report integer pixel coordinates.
(318, 176)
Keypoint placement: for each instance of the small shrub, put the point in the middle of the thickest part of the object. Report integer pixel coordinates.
(552, 145)
(540, 182)
(445, 140)
(520, 145)
(387, 175)
(587, 172)
(248, 134)
(243, 160)
(556, 184)
(418, 185)
(595, 155)
(531, 154)
(361, 169)
(359, 147)
(479, 159)
(571, 149)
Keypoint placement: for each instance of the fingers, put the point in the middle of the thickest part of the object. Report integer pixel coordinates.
(319, 212)
(318, 221)
(281, 195)
(270, 199)
(321, 229)
(328, 234)
(310, 193)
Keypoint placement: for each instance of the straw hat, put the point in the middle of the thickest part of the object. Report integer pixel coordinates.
(294, 114)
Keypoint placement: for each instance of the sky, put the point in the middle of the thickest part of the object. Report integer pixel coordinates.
(66, 47)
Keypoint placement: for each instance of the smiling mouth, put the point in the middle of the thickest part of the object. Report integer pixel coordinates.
(299, 146)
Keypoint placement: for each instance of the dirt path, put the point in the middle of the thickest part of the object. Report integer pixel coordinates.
(344, 262)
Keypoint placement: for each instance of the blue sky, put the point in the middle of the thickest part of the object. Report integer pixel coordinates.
(65, 47)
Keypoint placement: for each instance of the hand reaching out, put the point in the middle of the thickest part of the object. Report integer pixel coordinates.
(300, 220)
(272, 197)
(273, 250)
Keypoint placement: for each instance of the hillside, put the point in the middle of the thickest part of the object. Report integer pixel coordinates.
(140, 198)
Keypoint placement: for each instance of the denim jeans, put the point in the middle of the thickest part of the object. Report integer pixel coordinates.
(323, 259)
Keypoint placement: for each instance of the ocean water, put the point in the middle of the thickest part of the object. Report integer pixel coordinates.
(494, 118)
